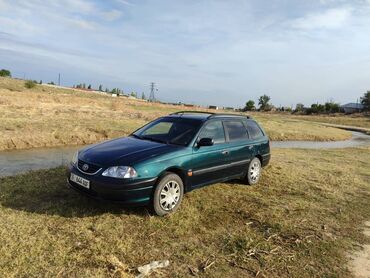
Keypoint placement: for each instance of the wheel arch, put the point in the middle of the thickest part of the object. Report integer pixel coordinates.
(178, 171)
(259, 157)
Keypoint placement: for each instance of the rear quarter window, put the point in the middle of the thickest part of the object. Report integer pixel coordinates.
(236, 130)
(254, 130)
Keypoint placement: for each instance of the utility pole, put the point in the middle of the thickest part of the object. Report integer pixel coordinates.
(59, 79)
(152, 89)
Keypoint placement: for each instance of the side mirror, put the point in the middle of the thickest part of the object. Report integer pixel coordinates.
(205, 142)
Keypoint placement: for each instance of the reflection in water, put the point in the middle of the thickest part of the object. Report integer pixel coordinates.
(358, 139)
(20, 161)
(15, 162)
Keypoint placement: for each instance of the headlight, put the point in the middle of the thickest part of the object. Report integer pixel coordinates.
(74, 160)
(120, 172)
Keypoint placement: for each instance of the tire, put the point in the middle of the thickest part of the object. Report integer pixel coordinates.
(254, 171)
(173, 185)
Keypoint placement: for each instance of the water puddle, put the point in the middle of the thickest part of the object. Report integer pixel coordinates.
(20, 161)
(358, 139)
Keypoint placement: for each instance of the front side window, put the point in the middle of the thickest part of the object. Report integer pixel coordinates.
(214, 130)
(170, 131)
(236, 130)
(254, 130)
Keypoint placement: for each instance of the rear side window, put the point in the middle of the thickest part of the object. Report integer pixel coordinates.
(214, 130)
(254, 130)
(236, 130)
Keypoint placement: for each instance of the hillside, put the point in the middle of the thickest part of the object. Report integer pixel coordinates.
(47, 116)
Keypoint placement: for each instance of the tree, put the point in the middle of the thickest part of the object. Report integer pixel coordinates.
(331, 107)
(143, 95)
(89, 87)
(249, 105)
(133, 94)
(316, 108)
(84, 86)
(100, 87)
(263, 102)
(365, 101)
(5, 73)
(40, 82)
(299, 107)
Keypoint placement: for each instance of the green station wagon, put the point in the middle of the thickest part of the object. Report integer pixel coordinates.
(170, 156)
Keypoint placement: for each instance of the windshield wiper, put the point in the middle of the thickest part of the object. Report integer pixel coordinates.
(154, 139)
(136, 136)
(175, 143)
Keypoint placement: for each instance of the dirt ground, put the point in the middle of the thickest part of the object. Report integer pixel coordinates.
(360, 264)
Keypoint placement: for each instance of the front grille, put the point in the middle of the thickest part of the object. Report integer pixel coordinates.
(92, 167)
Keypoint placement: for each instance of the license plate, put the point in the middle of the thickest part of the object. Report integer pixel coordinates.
(81, 181)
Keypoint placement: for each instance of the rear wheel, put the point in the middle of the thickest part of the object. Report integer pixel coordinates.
(254, 172)
(168, 194)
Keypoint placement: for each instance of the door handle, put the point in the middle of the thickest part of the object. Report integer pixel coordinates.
(225, 152)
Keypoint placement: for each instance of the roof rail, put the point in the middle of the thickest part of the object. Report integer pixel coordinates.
(191, 112)
(211, 114)
(214, 115)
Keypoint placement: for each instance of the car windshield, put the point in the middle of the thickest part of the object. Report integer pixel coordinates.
(177, 131)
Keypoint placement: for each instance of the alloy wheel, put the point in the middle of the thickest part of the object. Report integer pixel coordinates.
(254, 171)
(169, 195)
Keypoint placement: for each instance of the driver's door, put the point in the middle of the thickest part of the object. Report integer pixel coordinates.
(209, 163)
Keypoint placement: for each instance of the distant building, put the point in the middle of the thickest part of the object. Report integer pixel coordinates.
(229, 108)
(213, 107)
(352, 107)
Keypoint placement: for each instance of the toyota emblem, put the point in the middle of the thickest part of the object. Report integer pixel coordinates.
(85, 167)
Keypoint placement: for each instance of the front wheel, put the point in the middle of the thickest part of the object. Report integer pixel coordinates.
(254, 172)
(168, 194)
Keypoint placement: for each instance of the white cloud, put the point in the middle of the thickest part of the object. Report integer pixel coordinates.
(124, 2)
(82, 24)
(329, 19)
(111, 15)
(3, 5)
(18, 26)
(79, 6)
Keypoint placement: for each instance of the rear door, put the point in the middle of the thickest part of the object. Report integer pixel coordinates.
(258, 142)
(209, 163)
(239, 150)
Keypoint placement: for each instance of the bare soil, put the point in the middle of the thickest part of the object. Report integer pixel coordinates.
(360, 264)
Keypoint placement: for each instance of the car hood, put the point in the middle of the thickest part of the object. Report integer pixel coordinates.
(123, 151)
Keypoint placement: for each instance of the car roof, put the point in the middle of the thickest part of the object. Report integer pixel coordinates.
(199, 115)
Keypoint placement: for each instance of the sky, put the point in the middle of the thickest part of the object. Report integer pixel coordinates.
(203, 52)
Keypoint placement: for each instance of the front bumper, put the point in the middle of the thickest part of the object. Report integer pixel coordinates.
(135, 192)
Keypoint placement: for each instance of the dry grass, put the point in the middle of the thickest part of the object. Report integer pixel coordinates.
(46, 116)
(298, 222)
(358, 120)
(281, 127)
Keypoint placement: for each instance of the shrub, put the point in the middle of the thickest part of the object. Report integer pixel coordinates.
(5, 73)
(365, 101)
(29, 84)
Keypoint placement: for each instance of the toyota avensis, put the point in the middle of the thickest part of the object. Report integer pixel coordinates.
(170, 156)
